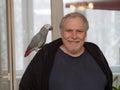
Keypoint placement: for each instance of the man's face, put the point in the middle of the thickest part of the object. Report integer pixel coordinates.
(73, 35)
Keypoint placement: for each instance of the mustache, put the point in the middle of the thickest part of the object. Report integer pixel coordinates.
(73, 40)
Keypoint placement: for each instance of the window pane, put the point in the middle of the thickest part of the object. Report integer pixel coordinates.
(4, 82)
(29, 16)
(3, 39)
(104, 30)
(42, 15)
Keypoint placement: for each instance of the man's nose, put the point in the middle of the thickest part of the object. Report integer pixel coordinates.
(74, 35)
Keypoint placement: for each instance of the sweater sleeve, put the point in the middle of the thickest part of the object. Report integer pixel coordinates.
(99, 57)
(32, 77)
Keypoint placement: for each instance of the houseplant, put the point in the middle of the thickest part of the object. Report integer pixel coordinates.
(116, 83)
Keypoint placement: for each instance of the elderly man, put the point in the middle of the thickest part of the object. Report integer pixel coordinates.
(69, 63)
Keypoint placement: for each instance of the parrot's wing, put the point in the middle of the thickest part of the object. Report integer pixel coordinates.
(34, 42)
(42, 41)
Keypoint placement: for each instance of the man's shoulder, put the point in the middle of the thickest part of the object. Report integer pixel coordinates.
(54, 44)
(90, 44)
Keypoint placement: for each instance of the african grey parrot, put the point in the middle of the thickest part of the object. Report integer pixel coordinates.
(38, 40)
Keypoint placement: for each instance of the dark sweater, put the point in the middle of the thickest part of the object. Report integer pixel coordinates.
(76, 73)
(36, 76)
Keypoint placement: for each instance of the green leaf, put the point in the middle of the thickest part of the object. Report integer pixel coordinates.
(119, 87)
(115, 78)
(114, 88)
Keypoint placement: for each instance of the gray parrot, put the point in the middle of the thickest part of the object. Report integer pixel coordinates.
(38, 40)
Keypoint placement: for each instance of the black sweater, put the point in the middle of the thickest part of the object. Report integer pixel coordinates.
(36, 76)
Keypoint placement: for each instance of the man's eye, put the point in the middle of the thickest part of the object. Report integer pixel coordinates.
(69, 30)
(80, 31)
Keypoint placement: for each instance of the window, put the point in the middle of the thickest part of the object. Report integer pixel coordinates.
(4, 70)
(29, 17)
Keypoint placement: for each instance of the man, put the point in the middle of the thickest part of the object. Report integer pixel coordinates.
(69, 63)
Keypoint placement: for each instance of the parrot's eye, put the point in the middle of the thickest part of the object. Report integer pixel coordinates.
(47, 26)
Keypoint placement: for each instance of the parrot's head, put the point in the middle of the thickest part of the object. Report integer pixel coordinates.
(48, 27)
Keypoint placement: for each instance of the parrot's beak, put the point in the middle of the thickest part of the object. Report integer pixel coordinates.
(51, 28)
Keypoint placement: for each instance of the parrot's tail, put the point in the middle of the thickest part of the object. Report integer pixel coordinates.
(27, 53)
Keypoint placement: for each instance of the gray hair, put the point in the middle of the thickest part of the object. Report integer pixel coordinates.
(74, 15)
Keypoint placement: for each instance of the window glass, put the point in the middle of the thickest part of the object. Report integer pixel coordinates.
(29, 17)
(4, 70)
(3, 39)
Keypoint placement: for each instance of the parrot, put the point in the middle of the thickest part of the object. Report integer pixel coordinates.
(38, 40)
